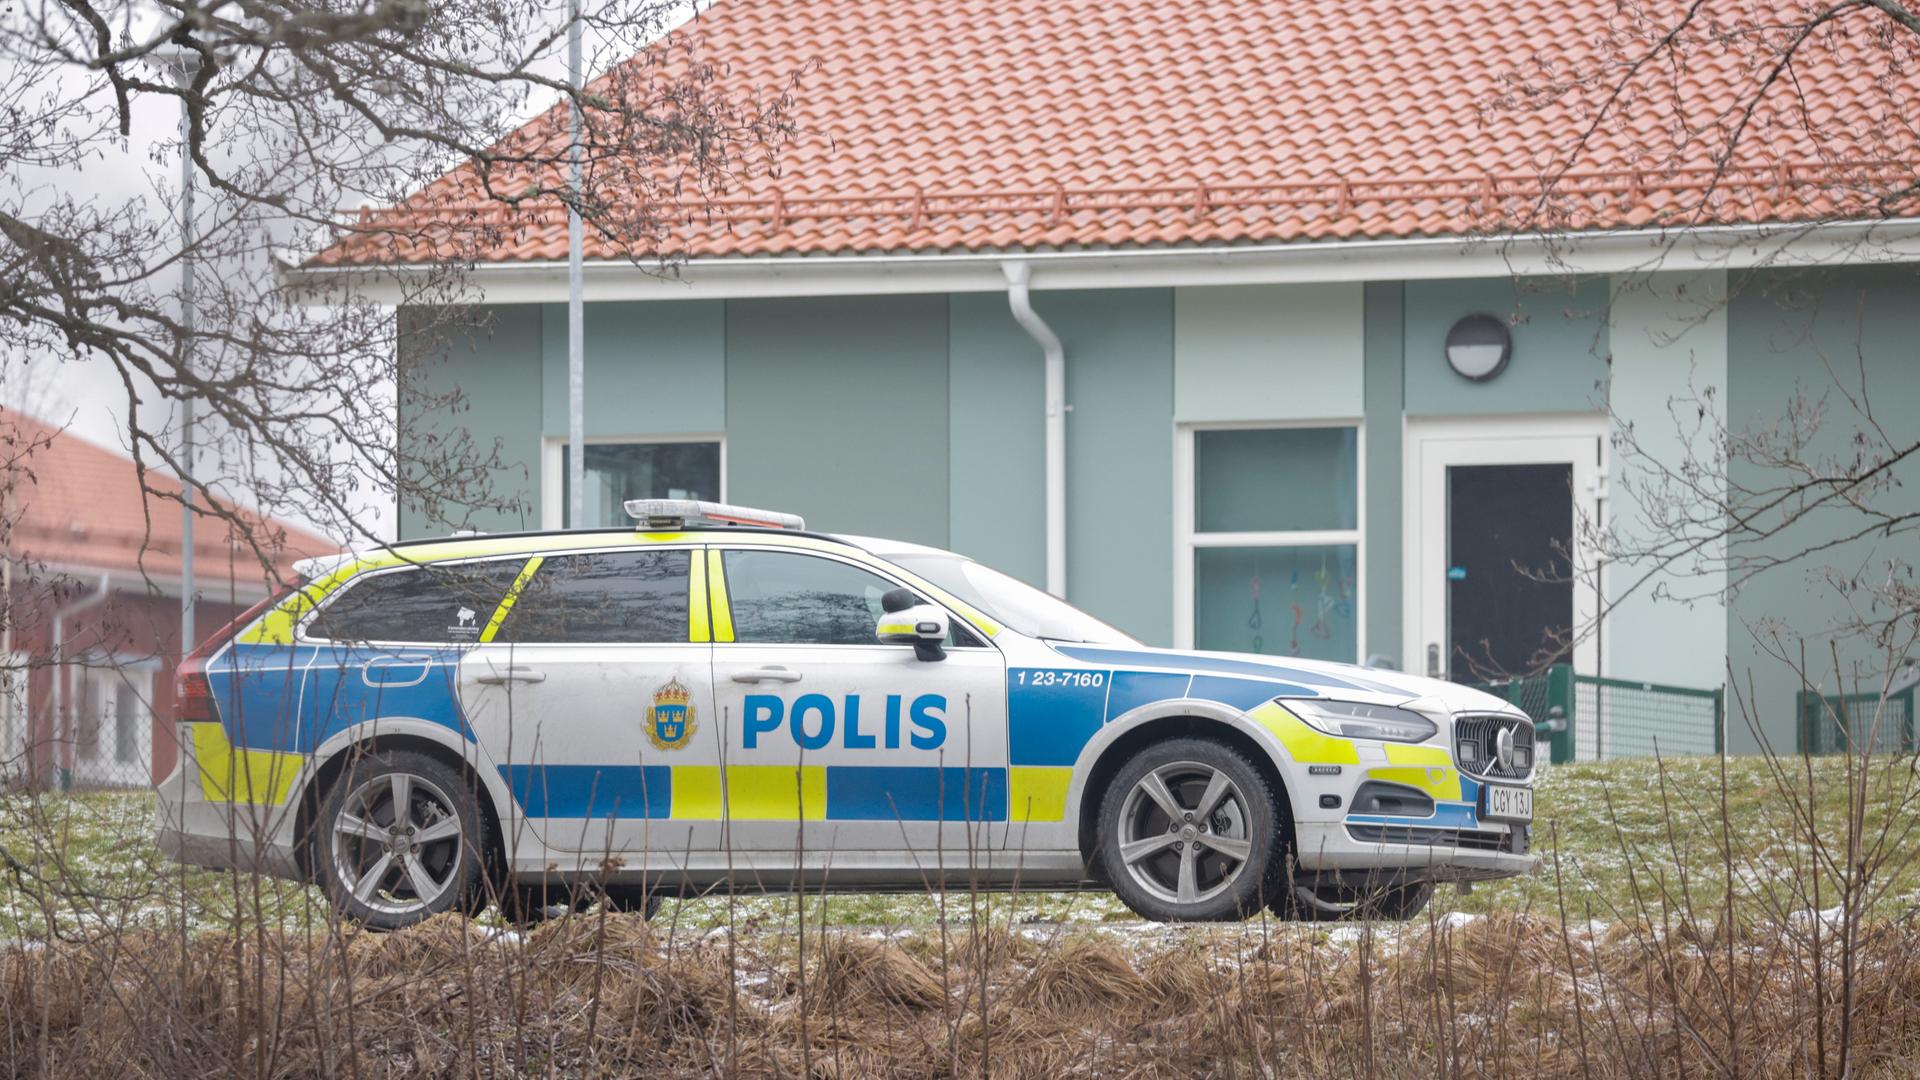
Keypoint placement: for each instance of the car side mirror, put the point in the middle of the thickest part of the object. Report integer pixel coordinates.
(920, 625)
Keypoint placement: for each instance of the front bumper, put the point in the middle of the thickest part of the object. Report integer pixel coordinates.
(1481, 854)
(1448, 840)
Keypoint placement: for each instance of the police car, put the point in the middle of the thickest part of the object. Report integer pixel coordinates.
(719, 697)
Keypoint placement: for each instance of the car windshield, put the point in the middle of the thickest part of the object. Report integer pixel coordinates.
(1011, 601)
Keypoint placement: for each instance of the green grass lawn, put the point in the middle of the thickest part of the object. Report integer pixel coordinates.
(1620, 840)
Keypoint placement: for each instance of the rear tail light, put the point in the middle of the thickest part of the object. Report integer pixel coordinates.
(192, 692)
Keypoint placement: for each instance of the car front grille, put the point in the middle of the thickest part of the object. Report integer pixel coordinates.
(1513, 842)
(1476, 741)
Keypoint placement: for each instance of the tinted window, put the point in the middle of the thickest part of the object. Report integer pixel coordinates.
(634, 597)
(425, 603)
(616, 472)
(783, 599)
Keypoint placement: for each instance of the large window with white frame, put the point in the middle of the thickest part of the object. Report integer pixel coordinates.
(632, 467)
(1269, 529)
(110, 722)
(13, 718)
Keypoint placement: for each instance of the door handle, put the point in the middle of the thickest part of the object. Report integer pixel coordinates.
(770, 673)
(513, 673)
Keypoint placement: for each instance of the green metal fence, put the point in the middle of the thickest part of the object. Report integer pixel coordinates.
(1587, 718)
(1832, 723)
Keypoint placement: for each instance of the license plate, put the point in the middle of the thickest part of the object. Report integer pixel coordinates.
(1502, 803)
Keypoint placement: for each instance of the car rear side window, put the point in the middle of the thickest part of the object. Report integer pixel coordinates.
(779, 598)
(433, 604)
(615, 597)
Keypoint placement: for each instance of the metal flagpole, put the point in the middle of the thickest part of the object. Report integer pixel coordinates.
(182, 63)
(187, 598)
(576, 314)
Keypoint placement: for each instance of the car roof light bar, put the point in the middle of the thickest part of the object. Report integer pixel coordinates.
(694, 513)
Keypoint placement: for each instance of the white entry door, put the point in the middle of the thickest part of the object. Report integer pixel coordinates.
(1497, 578)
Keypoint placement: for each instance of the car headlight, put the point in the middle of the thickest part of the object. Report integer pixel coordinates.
(1358, 720)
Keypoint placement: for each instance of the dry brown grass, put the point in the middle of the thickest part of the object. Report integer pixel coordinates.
(1691, 992)
(593, 995)
(1745, 982)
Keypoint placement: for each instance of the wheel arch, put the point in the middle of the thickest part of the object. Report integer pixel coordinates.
(422, 737)
(1121, 740)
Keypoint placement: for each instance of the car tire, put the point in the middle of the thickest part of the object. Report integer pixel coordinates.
(1390, 903)
(388, 870)
(1183, 860)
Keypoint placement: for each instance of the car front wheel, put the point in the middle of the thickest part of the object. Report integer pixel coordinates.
(398, 839)
(1188, 832)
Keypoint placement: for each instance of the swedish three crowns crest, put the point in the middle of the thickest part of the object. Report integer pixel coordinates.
(670, 718)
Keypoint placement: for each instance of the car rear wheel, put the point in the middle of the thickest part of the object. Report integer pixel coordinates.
(1188, 832)
(398, 840)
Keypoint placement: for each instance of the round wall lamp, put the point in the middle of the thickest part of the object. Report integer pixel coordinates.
(1478, 347)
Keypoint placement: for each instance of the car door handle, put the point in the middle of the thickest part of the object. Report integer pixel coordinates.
(770, 673)
(514, 673)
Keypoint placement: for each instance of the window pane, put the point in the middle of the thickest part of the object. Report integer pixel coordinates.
(622, 597)
(1274, 480)
(1278, 601)
(617, 472)
(127, 721)
(90, 713)
(424, 604)
(782, 599)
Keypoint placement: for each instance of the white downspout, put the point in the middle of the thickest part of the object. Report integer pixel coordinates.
(1018, 274)
(62, 724)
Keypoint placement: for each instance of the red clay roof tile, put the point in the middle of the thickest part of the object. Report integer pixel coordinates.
(79, 507)
(954, 125)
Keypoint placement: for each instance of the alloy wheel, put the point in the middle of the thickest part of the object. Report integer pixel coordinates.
(1183, 832)
(396, 843)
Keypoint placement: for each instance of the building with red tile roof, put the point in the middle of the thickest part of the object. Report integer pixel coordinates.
(1315, 328)
(93, 576)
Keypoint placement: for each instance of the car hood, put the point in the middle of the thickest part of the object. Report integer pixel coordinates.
(1305, 678)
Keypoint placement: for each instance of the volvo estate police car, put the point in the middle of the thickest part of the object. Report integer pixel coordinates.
(719, 697)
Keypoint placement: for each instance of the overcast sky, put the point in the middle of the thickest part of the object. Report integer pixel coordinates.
(87, 396)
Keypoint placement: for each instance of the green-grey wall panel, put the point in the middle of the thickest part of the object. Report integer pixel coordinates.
(1559, 345)
(1669, 339)
(1784, 329)
(1384, 345)
(997, 415)
(1267, 352)
(837, 410)
(495, 367)
(656, 368)
(1119, 453)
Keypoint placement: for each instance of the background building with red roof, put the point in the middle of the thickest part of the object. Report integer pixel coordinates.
(92, 563)
(1359, 307)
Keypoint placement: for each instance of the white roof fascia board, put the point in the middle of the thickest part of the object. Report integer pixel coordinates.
(1414, 259)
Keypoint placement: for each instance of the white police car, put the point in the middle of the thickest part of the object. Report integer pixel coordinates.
(719, 696)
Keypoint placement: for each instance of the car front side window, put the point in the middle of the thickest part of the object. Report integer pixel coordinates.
(786, 598)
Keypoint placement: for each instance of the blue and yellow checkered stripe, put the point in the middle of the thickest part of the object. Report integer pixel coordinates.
(790, 793)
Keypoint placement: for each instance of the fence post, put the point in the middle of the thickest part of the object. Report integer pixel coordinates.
(1720, 720)
(1909, 696)
(1560, 692)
